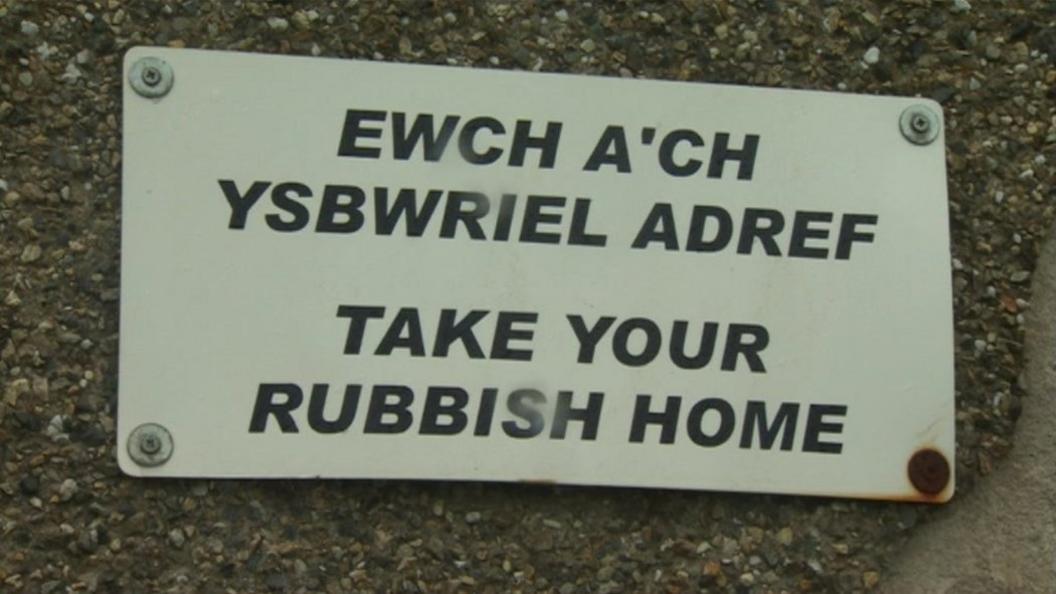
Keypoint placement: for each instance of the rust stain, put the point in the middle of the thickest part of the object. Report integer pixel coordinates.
(537, 481)
(929, 472)
(908, 498)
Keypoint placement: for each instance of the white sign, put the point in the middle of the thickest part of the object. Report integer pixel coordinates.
(354, 269)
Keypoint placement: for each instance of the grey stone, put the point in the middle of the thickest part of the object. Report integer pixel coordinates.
(177, 538)
(68, 489)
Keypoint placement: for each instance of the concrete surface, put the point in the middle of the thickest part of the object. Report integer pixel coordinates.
(1001, 538)
(70, 521)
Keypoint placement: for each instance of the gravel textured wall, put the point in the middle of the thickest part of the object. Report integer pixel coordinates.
(69, 520)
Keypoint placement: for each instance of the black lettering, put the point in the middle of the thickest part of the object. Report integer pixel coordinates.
(281, 197)
(520, 403)
(405, 206)
(451, 330)
(590, 416)
(405, 320)
(736, 345)
(668, 419)
(405, 142)
(380, 406)
(505, 332)
(453, 410)
(588, 339)
(784, 424)
(332, 206)
(621, 340)
(678, 345)
(611, 149)
(353, 130)
(696, 242)
(577, 233)
(357, 316)
(534, 216)
(317, 405)
(486, 412)
(816, 425)
(801, 232)
(695, 426)
(469, 134)
(751, 230)
(667, 152)
(745, 156)
(266, 405)
(658, 226)
(470, 219)
(849, 233)
(505, 219)
(240, 204)
(523, 140)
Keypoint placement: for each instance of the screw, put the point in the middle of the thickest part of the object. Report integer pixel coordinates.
(929, 471)
(151, 76)
(149, 443)
(919, 124)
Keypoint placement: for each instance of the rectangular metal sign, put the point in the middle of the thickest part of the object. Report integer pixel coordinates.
(354, 269)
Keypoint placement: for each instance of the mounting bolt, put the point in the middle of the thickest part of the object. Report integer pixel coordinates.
(150, 445)
(929, 472)
(919, 124)
(151, 77)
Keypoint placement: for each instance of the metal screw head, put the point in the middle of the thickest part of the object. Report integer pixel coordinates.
(919, 124)
(151, 77)
(150, 444)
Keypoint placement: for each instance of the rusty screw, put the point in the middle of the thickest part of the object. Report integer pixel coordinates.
(929, 471)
